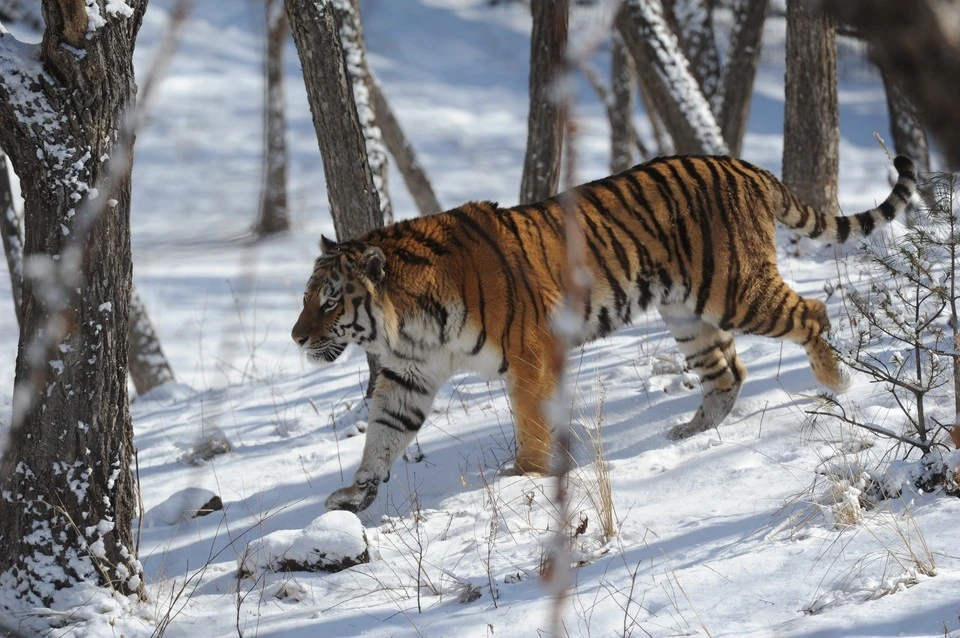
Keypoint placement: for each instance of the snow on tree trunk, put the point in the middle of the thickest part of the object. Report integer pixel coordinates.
(11, 233)
(545, 118)
(811, 127)
(355, 55)
(414, 176)
(149, 367)
(736, 84)
(273, 217)
(351, 188)
(667, 80)
(692, 23)
(68, 496)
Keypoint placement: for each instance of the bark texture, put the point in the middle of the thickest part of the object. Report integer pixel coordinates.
(68, 493)
(548, 46)
(917, 45)
(273, 216)
(414, 175)
(353, 194)
(811, 128)
(149, 366)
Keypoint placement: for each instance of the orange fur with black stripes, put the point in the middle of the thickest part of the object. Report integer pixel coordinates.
(475, 288)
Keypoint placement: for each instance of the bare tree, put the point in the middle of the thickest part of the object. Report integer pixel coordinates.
(811, 127)
(62, 124)
(690, 99)
(917, 45)
(11, 233)
(337, 100)
(548, 44)
(414, 175)
(667, 81)
(623, 84)
(350, 28)
(740, 70)
(692, 22)
(149, 366)
(623, 136)
(909, 138)
(273, 217)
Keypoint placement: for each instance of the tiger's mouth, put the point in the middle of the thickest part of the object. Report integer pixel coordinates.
(325, 351)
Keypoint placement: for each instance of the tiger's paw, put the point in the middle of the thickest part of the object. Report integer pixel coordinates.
(355, 498)
(686, 430)
(515, 470)
(682, 431)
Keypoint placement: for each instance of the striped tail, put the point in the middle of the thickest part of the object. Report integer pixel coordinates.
(831, 228)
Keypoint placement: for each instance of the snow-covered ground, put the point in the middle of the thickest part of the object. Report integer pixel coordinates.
(734, 532)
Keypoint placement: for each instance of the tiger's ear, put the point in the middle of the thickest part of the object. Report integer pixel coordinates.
(327, 246)
(373, 265)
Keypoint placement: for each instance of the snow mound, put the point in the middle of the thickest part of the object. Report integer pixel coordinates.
(331, 543)
(188, 503)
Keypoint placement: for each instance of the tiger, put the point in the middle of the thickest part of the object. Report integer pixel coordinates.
(475, 289)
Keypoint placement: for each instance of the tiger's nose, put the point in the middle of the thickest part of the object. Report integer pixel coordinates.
(300, 338)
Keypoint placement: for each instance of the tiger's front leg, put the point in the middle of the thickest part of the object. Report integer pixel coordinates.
(531, 386)
(399, 406)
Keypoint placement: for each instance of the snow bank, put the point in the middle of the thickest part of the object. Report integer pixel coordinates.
(331, 543)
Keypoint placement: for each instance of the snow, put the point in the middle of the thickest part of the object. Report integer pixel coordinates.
(745, 531)
(180, 507)
(331, 539)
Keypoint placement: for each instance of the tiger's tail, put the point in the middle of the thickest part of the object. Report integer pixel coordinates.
(839, 228)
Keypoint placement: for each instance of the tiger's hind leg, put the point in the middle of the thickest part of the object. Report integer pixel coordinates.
(779, 312)
(711, 353)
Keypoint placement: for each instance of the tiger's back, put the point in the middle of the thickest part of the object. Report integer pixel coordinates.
(476, 288)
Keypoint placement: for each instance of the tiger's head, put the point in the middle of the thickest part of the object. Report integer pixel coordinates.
(338, 304)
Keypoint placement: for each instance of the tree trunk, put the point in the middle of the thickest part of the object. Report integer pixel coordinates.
(909, 138)
(69, 496)
(149, 367)
(811, 133)
(336, 103)
(350, 29)
(11, 232)
(917, 45)
(548, 45)
(740, 71)
(692, 23)
(412, 171)
(273, 216)
(667, 80)
(622, 132)
(623, 84)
